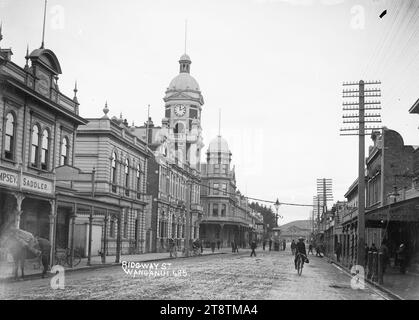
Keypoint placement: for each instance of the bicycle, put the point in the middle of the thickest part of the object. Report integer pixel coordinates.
(63, 257)
(300, 263)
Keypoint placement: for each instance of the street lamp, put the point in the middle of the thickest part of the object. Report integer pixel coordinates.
(277, 204)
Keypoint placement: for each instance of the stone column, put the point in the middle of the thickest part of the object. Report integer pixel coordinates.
(105, 237)
(73, 224)
(52, 227)
(118, 237)
(221, 234)
(138, 230)
(89, 245)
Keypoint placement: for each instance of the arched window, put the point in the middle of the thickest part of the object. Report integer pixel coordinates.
(45, 150)
(64, 152)
(179, 128)
(113, 171)
(35, 146)
(138, 177)
(127, 177)
(9, 137)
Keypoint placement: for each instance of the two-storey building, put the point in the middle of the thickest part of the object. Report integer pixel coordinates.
(37, 133)
(109, 147)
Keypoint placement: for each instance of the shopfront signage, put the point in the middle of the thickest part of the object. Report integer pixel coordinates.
(25, 182)
(36, 184)
(9, 178)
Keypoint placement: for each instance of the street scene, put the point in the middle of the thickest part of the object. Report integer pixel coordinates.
(209, 150)
(226, 276)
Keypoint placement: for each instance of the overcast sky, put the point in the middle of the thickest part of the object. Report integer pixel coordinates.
(275, 69)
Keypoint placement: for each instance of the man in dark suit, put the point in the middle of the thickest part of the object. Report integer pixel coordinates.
(45, 247)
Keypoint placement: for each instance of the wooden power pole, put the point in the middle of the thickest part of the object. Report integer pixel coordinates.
(357, 106)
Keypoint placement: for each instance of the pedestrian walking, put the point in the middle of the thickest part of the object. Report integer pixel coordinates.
(385, 253)
(201, 245)
(270, 244)
(318, 251)
(367, 249)
(310, 248)
(236, 247)
(264, 245)
(213, 246)
(172, 248)
(218, 244)
(284, 245)
(45, 247)
(402, 257)
(253, 247)
(338, 251)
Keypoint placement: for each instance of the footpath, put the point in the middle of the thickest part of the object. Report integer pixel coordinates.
(398, 286)
(33, 269)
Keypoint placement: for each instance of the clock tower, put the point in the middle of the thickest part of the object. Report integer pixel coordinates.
(183, 107)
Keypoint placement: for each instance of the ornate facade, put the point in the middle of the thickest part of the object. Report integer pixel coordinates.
(227, 215)
(174, 177)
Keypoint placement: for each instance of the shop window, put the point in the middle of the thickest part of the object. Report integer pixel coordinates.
(223, 210)
(112, 228)
(215, 190)
(215, 210)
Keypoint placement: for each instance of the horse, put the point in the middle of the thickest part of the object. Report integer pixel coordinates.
(20, 249)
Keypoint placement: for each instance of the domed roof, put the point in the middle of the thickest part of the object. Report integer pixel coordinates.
(185, 57)
(218, 144)
(184, 81)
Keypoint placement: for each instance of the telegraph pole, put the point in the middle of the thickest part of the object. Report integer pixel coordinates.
(188, 213)
(324, 192)
(360, 118)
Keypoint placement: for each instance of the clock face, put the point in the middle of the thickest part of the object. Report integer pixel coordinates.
(180, 110)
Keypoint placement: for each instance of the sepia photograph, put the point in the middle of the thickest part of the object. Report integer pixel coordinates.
(206, 156)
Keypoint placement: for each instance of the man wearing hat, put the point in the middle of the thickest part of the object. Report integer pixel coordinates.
(300, 247)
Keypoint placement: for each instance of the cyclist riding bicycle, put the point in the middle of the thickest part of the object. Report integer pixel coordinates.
(300, 248)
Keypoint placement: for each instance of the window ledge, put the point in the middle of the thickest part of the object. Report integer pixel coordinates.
(8, 160)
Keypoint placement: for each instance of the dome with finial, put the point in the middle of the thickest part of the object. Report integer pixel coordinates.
(185, 57)
(184, 81)
(218, 145)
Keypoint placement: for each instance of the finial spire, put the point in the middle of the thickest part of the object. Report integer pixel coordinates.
(186, 33)
(27, 58)
(75, 92)
(43, 27)
(219, 122)
(106, 109)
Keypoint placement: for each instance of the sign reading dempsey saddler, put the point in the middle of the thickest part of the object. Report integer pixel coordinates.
(37, 185)
(12, 179)
(9, 179)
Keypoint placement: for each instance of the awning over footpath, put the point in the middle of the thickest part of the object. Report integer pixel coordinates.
(402, 211)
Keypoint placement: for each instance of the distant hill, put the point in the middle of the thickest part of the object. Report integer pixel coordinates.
(300, 225)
